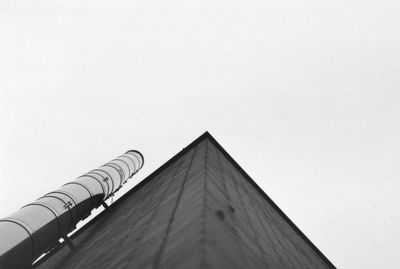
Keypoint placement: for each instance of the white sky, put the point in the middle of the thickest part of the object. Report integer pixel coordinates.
(305, 95)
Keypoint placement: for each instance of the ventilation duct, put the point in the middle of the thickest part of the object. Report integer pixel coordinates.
(37, 227)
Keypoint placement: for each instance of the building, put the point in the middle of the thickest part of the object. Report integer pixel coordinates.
(199, 210)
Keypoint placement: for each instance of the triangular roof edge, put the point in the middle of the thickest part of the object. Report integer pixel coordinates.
(205, 135)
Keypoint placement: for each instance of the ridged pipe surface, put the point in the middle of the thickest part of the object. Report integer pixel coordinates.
(37, 227)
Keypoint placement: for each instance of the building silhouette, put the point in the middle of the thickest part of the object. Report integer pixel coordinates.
(198, 210)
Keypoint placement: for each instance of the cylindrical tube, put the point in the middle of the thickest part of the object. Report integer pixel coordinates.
(37, 227)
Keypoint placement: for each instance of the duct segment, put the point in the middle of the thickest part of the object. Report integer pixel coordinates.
(37, 227)
(116, 173)
(129, 163)
(77, 192)
(136, 159)
(102, 179)
(69, 203)
(124, 166)
(79, 195)
(80, 184)
(41, 222)
(106, 177)
(131, 159)
(49, 207)
(94, 185)
(17, 236)
(64, 214)
(138, 155)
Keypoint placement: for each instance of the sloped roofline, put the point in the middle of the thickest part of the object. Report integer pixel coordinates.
(201, 138)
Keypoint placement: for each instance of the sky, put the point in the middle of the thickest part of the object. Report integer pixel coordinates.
(304, 94)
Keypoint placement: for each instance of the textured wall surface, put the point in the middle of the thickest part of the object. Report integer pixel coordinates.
(198, 211)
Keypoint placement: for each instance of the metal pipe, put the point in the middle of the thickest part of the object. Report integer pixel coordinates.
(37, 227)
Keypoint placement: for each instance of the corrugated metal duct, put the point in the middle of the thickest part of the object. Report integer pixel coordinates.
(37, 227)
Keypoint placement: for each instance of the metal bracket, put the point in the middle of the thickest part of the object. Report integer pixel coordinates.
(69, 242)
(68, 205)
(104, 204)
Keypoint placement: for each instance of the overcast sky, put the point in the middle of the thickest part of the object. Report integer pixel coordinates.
(304, 94)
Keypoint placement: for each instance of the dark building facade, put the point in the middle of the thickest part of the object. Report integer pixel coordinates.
(198, 210)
